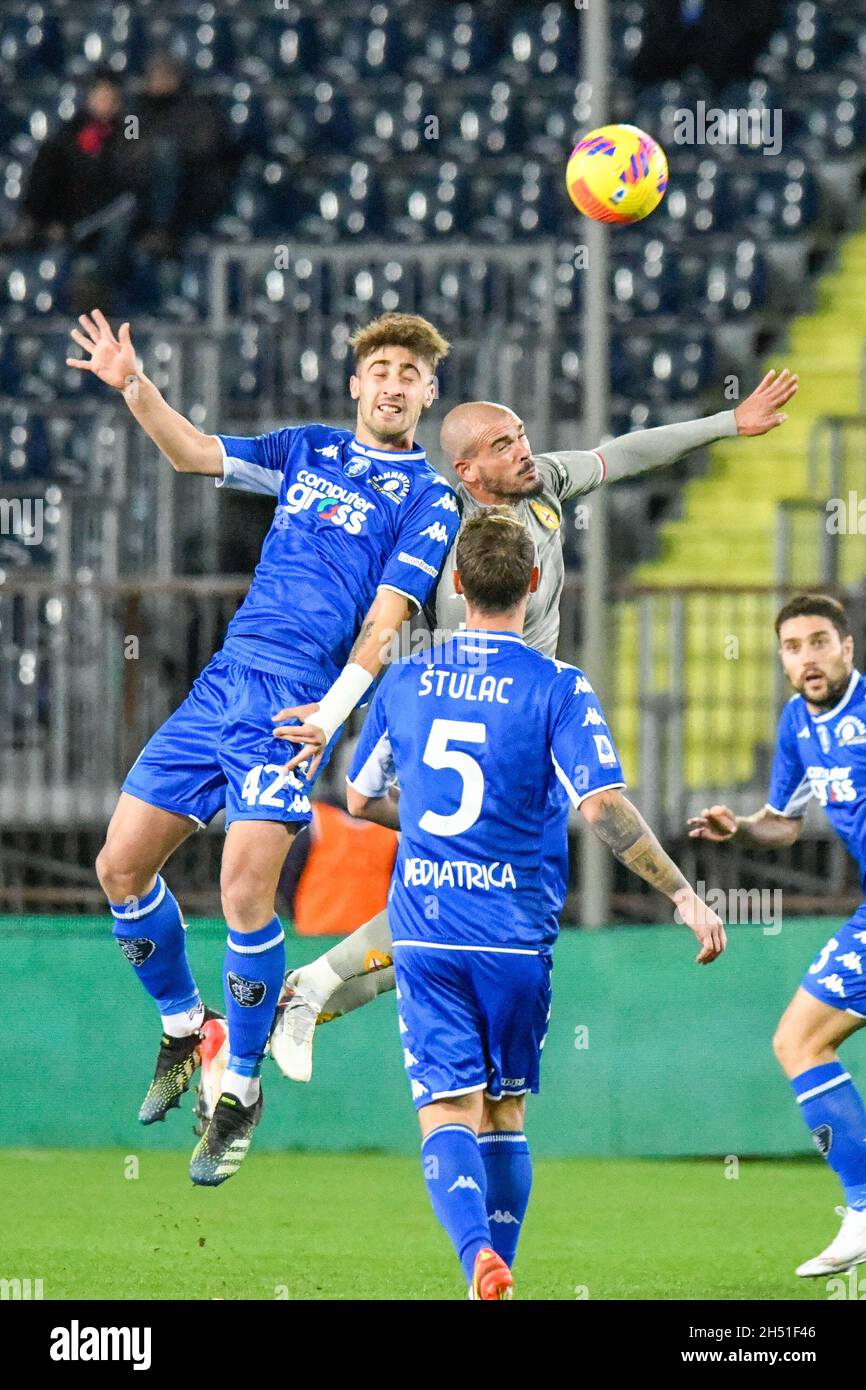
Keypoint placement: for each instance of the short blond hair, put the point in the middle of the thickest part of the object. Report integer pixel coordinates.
(410, 331)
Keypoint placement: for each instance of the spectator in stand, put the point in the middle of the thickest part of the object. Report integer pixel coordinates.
(182, 160)
(719, 39)
(78, 191)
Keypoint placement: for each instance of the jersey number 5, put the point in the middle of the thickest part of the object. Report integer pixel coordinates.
(438, 755)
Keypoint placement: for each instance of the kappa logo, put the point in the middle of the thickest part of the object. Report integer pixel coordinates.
(436, 531)
(392, 484)
(823, 738)
(823, 1139)
(330, 451)
(137, 949)
(464, 1181)
(503, 1218)
(448, 501)
(248, 993)
(804, 733)
(582, 686)
(594, 716)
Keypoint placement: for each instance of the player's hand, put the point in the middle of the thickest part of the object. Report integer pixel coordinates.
(716, 823)
(706, 925)
(310, 735)
(764, 409)
(112, 359)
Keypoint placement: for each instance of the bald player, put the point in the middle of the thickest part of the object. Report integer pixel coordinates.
(487, 446)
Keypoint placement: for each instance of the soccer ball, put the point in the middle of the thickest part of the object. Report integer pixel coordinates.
(617, 174)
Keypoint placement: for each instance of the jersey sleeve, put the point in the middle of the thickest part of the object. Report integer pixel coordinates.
(790, 788)
(571, 473)
(424, 537)
(371, 771)
(255, 464)
(581, 748)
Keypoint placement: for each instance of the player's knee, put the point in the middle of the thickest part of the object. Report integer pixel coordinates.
(787, 1047)
(505, 1116)
(118, 878)
(246, 903)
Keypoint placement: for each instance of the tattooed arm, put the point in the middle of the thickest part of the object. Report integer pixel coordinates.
(623, 829)
(319, 722)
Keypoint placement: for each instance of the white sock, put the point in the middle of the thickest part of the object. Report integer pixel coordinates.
(246, 1088)
(182, 1024)
(317, 982)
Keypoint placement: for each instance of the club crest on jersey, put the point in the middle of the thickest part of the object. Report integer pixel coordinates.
(850, 729)
(137, 949)
(356, 467)
(392, 484)
(248, 993)
(546, 515)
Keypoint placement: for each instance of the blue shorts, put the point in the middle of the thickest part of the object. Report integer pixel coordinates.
(471, 1020)
(837, 976)
(218, 750)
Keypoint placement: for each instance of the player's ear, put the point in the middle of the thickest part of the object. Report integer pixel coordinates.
(848, 648)
(458, 587)
(354, 386)
(534, 578)
(462, 468)
(430, 392)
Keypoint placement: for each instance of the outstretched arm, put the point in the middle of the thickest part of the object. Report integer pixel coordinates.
(388, 611)
(113, 360)
(623, 829)
(766, 829)
(628, 455)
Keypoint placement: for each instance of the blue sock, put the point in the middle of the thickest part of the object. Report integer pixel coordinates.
(508, 1166)
(253, 970)
(454, 1173)
(833, 1110)
(150, 933)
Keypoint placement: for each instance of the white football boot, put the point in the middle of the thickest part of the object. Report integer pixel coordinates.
(293, 1032)
(846, 1251)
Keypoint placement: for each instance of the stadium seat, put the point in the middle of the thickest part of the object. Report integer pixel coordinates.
(430, 203)
(543, 41)
(34, 282)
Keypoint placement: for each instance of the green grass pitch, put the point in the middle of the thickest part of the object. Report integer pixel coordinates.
(358, 1226)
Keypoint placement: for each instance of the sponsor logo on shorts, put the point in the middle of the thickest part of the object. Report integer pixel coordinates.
(137, 949)
(248, 993)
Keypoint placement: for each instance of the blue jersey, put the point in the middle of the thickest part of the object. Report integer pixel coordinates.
(349, 520)
(489, 741)
(824, 756)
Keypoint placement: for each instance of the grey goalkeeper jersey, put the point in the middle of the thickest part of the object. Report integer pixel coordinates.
(567, 475)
